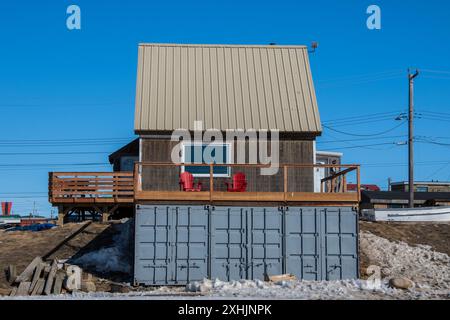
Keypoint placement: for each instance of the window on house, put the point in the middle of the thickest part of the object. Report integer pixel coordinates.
(203, 153)
(422, 189)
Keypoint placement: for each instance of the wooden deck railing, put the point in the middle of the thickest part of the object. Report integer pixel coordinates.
(91, 187)
(150, 187)
(158, 182)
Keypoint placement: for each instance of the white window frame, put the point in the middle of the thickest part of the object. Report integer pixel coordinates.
(229, 147)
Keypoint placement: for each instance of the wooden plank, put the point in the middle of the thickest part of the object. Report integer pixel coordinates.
(67, 239)
(37, 275)
(211, 181)
(38, 288)
(322, 197)
(13, 292)
(337, 174)
(11, 273)
(86, 193)
(59, 278)
(29, 270)
(91, 200)
(51, 277)
(23, 288)
(101, 174)
(172, 195)
(285, 180)
(281, 277)
(248, 196)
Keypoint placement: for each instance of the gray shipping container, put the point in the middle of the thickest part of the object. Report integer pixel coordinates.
(178, 244)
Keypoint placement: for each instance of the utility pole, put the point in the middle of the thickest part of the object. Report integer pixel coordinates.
(411, 138)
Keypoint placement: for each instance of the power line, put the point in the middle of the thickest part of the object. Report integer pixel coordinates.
(51, 153)
(363, 76)
(360, 79)
(435, 71)
(61, 106)
(50, 164)
(65, 139)
(362, 119)
(437, 171)
(81, 144)
(363, 146)
(45, 169)
(434, 142)
(438, 78)
(401, 164)
(365, 135)
(362, 139)
(353, 118)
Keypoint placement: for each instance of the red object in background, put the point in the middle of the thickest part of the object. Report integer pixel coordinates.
(6, 208)
(239, 183)
(187, 182)
(29, 221)
(364, 187)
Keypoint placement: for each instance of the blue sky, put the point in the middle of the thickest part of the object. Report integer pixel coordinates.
(74, 90)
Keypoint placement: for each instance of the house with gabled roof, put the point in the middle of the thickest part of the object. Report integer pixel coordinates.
(226, 170)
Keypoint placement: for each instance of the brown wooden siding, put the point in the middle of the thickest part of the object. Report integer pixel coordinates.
(291, 152)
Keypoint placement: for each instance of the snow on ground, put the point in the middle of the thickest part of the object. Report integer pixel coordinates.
(113, 258)
(429, 270)
(247, 289)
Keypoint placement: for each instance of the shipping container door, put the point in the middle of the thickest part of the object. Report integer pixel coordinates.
(189, 243)
(228, 238)
(152, 252)
(264, 244)
(302, 227)
(339, 238)
(170, 244)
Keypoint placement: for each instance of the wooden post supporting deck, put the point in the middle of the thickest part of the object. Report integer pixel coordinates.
(105, 216)
(60, 219)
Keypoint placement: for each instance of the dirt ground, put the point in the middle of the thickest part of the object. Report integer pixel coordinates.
(20, 247)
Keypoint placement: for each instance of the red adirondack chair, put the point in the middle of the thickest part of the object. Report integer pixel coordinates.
(239, 183)
(187, 182)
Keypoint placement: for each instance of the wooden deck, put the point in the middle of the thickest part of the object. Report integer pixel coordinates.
(104, 192)
(91, 187)
(333, 188)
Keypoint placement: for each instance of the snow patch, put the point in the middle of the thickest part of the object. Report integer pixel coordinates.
(110, 259)
(427, 268)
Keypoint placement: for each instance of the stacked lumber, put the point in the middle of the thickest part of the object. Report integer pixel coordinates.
(41, 277)
(281, 277)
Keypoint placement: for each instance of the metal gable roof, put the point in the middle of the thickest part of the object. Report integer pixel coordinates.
(226, 87)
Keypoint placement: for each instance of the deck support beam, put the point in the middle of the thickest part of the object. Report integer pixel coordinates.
(62, 213)
(61, 217)
(105, 217)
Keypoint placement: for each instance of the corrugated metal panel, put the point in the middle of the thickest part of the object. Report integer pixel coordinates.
(303, 243)
(228, 239)
(246, 242)
(340, 236)
(265, 241)
(171, 244)
(179, 244)
(226, 87)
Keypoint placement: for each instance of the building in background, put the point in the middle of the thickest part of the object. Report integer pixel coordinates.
(124, 158)
(363, 187)
(399, 199)
(325, 157)
(422, 186)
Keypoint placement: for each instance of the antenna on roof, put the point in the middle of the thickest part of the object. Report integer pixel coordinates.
(313, 47)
